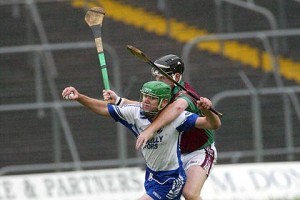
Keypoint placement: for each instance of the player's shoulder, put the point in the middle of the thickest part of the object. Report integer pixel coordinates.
(184, 118)
(185, 114)
(133, 105)
(127, 107)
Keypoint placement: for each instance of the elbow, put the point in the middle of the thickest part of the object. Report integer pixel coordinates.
(180, 107)
(216, 125)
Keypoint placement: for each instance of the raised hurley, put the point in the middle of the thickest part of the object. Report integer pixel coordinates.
(94, 18)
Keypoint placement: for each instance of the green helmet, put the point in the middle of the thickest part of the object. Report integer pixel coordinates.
(157, 89)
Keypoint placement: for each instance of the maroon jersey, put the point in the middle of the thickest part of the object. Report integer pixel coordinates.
(194, 138)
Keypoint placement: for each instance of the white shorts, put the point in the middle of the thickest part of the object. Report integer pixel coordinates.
(206, 158)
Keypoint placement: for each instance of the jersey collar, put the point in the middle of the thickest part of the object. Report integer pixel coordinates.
(176, 88)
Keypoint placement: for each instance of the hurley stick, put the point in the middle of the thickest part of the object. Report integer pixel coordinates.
(94, 18)
(138, 53)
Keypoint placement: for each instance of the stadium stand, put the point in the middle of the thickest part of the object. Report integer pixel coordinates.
(27, 134)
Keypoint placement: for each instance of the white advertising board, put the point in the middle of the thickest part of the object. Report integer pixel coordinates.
(261, 181)
(114, 184)
(256, 181)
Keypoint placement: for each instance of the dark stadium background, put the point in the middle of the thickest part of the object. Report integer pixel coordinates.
(31, 136)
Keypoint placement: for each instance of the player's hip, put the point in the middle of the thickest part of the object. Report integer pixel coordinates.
(206, 158)
(165, 185)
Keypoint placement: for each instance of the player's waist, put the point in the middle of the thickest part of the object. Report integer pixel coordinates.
(187, 151)
(164, 175)
(163, 166)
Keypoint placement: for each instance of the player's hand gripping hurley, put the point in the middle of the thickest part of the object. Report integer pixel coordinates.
(94, 18)
(138, 53)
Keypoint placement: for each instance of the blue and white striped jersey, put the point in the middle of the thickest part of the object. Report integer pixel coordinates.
(162, 152)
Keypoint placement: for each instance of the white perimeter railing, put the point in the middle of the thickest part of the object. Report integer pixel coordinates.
(287, 93)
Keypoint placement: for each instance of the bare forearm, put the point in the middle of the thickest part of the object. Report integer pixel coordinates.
(169, 114)
(95, 105)
(211, 121)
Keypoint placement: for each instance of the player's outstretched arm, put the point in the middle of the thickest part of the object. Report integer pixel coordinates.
(97, 106)
(210, 120)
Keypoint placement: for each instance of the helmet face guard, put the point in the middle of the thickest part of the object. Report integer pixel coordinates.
(155, 72)
(158, 90)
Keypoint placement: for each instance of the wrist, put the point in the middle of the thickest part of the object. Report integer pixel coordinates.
(119, 101)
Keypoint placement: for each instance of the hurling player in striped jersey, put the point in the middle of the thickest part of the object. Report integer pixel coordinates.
(197, 146)
(165, 175)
